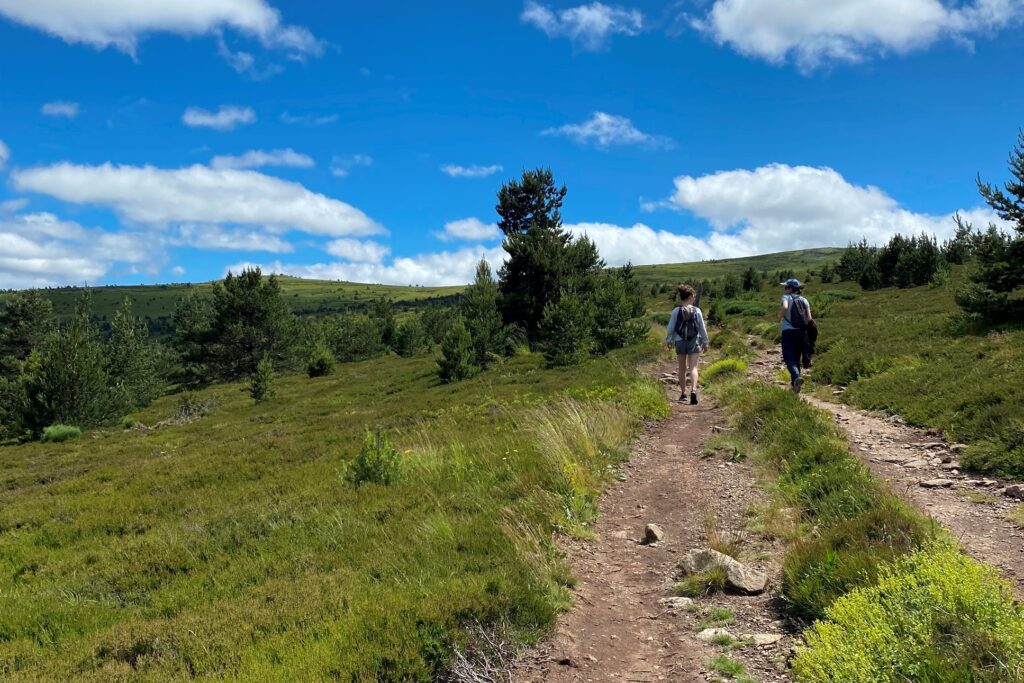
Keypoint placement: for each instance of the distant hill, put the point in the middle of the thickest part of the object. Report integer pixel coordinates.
(798, 261)
(155, 303)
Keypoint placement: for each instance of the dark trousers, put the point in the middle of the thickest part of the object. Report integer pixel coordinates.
(792, 351)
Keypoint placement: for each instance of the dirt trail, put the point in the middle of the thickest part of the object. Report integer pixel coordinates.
(909, 459)
(619, 629)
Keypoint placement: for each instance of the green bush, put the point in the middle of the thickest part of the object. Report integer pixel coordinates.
(261, 384)
(564, 330)
(456, 362)
(378, 462)
(57, 433)
(320, 362)
(724, 367)
(934, 615)
(742, 307)
(646, 398)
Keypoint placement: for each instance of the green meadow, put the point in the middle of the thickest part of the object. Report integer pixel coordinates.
(209, 536)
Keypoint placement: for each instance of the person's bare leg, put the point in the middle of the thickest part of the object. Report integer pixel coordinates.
(681, 373)
(693, 361)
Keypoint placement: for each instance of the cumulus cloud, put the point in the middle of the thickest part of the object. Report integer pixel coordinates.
(198, 194)
(258, 158)
(244, 63)
(780, 208)
(225, 118)
(68, 110)
(472, 171)
(588, 27)
(811, 33)
(215, 237)
(40, 250)
(341, 166)
(5, 154)
(122, 24)
(435, 269)
(357, 251)
(178, 270)
(469, 230)
(606, 130)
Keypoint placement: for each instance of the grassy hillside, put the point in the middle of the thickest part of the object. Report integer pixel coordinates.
(306, 297)
(911, 352)
(235, 547)
(798, 261)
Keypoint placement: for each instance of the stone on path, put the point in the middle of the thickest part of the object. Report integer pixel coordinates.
(709, 634)
(1014, 491)
(937, 483)
(738, 575)
(652, 534)
(677, 603)
(762, 639)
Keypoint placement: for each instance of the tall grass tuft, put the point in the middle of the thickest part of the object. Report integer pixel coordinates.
(58, 433)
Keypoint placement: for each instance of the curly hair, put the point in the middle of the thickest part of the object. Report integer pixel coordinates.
(685, 292)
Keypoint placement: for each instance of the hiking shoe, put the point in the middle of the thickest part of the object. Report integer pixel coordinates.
(798, 384)
(693, 398)
(682, 397)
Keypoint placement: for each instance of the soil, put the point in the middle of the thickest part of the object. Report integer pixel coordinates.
(971, 507)
(619, 630)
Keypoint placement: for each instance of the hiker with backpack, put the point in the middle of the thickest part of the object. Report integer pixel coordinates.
(797, 323)
(687, 332)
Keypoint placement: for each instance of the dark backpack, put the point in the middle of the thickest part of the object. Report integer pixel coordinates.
(799, 314)
(686, 323)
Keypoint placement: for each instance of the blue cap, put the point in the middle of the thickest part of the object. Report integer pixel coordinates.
(792, 282)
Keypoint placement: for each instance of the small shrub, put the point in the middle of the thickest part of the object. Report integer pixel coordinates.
(716, 618)
(700, 585)
(724, 367)
(378, 462)
(565, 331)
(747, 308)
(646, 398)
(935, 615)
(58, 433)
(726, 666)
(456, 363)
(191, 406)
(261, 384)
(320, 362)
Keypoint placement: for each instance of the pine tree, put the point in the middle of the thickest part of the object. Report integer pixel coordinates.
(26, 318)
(1000, 256)
(261, 384)
(456, 363)
(481, 315)
(71, 384)
(617, 307)
(133, 360)
(410, 337)
(565, 329)
(383, 312)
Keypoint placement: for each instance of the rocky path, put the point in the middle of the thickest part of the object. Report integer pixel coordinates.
(624, 626)
(923, 469)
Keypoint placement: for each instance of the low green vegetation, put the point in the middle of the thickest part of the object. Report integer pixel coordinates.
(223, 538)
(885, 595)
(59, 433)
(935, 615)
(726, 366)
(730, 668)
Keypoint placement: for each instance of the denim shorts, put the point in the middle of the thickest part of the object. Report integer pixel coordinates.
(687, 348)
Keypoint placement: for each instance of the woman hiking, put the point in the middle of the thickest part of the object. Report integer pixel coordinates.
(796, 318)
(687, 331)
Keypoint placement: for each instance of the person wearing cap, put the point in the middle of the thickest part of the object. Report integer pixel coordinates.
(795, 315)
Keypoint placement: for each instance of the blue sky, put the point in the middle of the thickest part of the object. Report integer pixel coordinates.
(172, 140)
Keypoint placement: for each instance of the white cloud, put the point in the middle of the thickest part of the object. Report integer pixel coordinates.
(257, 158)
(244, 63)
(358, 251)
(13, 205)
(780, 208)
(217, 238)
(641, 244)
(811, 32)
(436, 269)
(589, 27)
(309, 119)
(40, 250)
(178, 270)
(5, 154)
(341, 166)
(122, 24)
(469, 230)
(66, 109)
(225, 118)
(198, 194)
(605, 130)
(472, 171)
